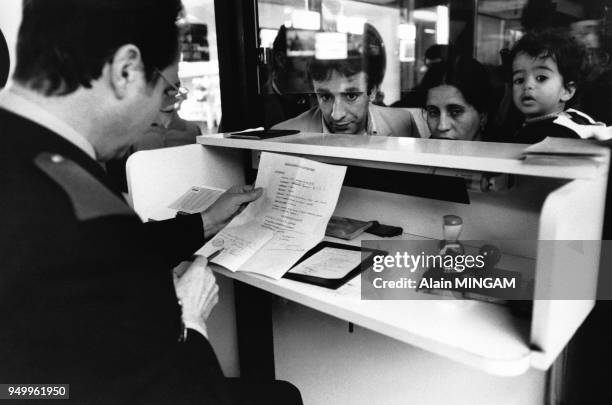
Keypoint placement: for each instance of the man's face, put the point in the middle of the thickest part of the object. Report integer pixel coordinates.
(586, 32)
(537, 86)
(143, 107)
(344, 102)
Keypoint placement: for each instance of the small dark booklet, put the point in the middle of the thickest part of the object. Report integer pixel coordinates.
(346, 228)
(263, 134)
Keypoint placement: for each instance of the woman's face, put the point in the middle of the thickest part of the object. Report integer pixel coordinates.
(449, 116)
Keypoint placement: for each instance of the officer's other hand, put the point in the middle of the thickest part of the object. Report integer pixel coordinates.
(227, 205)
(198, 291)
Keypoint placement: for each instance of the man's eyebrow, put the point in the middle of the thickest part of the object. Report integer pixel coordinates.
(353, 90)
(323, 90)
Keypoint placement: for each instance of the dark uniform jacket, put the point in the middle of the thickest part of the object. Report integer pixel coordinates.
(86, 292)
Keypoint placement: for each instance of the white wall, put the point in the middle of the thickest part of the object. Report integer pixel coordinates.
(330, 365)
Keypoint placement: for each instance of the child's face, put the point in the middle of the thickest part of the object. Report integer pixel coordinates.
(537, 86)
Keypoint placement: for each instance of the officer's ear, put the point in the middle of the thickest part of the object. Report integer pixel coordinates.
(125, 70)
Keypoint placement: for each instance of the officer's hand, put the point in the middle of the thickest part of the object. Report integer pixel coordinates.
(198, 291)
(227, 205)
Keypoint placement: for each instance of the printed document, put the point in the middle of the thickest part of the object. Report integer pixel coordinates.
(289, 219)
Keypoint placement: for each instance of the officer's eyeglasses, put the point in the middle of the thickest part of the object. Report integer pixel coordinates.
(176, 92)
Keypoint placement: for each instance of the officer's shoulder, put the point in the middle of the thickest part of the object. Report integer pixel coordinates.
(89, 197)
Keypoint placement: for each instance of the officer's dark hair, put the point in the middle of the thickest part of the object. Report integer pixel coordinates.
(368, 57)
(558, 45)
(4, 60)
(64, 44)
(467, 75)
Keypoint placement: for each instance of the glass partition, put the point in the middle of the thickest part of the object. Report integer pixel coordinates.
(407, 28)
(199, 66)
(416, 35)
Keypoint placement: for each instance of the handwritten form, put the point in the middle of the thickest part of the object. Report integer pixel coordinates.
(289, 219)
(331, 263)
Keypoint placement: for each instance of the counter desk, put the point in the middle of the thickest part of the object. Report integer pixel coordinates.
(411, 351)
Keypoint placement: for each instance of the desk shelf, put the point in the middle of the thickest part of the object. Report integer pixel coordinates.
(484, 335)
(396, 151)
(547, 203)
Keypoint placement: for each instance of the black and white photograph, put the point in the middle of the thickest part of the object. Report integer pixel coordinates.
(305, 202)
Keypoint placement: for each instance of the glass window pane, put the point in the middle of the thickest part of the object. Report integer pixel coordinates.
(498, 27)
(199, 67)
(293, 33)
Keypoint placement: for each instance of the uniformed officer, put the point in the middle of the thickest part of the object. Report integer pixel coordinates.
(86, 292)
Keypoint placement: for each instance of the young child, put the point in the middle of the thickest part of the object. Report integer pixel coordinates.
(546, 69)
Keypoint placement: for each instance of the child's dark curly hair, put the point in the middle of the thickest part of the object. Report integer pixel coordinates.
(558, 45)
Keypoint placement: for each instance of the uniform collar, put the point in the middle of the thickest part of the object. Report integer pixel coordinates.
(16, 101)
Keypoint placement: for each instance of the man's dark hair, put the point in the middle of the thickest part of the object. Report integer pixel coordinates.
(64, 44)
(368, 57)
(467, 75)
(558, 45)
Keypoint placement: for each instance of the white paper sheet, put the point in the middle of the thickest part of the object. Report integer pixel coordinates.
(289, 219)
(330, 263)
(239, 243)
(196, 199)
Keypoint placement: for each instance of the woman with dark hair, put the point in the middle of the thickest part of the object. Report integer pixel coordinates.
(458, 99)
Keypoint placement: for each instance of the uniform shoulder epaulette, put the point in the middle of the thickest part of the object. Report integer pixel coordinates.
(90, 198)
